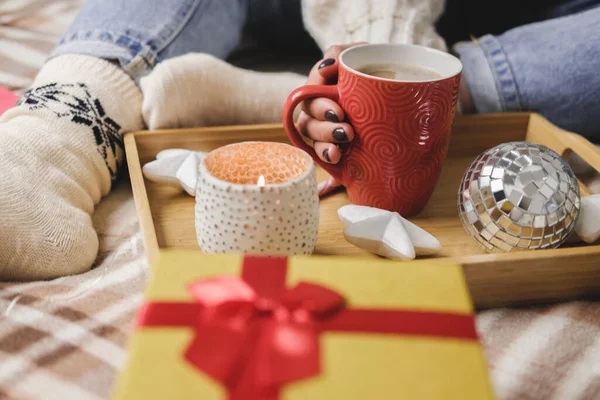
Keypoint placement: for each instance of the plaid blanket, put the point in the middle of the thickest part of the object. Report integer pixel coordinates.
(65, 339)
(29, 30)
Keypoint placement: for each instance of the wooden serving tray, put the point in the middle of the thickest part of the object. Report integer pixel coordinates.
(570, 272)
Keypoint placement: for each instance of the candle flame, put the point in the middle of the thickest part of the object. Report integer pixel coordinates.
(261, 181)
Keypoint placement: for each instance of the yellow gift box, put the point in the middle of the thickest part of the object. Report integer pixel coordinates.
(234, 327)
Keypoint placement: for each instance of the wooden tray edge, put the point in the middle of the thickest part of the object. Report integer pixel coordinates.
(140, 197)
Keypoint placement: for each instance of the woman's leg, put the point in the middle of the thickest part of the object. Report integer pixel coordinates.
(62, 144)
(551, 67)
(201, 90)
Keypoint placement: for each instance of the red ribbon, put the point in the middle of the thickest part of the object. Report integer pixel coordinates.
(253, 335)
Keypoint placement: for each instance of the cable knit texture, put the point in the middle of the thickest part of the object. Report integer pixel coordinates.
(375, 21)
(61, 145)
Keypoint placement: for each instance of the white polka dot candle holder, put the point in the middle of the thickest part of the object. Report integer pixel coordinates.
(257, 198)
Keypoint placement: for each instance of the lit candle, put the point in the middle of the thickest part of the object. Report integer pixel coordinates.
(257, 197)
(261, 181)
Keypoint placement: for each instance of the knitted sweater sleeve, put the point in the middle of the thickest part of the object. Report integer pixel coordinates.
(375, 21)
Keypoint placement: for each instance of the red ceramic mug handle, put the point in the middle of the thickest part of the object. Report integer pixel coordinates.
(295, 98)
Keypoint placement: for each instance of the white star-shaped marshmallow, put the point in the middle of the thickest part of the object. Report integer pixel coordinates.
(588, 226)
(386, 233)
(175, 167)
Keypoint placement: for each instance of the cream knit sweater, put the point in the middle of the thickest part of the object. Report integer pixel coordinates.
(375, 21)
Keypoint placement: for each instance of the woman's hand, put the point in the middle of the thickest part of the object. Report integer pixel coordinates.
(322, 119)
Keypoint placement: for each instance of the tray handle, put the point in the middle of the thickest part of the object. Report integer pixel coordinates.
(542, 131)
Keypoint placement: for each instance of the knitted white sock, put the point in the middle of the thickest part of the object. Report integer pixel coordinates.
(60, 147)
(201, 90)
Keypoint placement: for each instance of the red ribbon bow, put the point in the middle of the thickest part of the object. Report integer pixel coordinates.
(253, 335)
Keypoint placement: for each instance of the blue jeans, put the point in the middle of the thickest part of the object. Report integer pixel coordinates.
(551, 67)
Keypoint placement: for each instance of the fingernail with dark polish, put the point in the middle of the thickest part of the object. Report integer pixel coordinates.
(340, 135)
(326, 155)
(342, 146)
(327, 62)
(330, 116)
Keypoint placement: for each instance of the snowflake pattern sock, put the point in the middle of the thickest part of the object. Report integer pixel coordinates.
(61, 148)
(201, 90)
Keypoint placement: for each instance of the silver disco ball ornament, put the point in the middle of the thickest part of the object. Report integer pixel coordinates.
(519, 196)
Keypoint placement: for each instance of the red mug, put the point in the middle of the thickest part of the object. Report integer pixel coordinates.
(402, 128)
